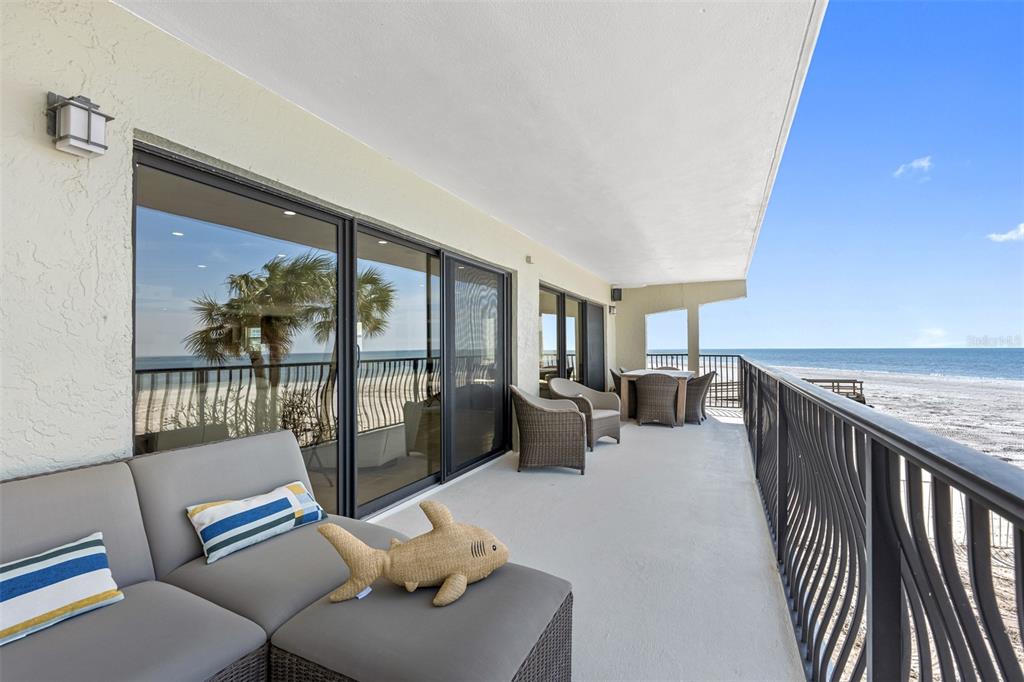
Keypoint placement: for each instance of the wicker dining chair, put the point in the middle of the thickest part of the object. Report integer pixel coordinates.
(602, 410)
(552, 433)
(616, 381)
(696, 395)
(656, 399)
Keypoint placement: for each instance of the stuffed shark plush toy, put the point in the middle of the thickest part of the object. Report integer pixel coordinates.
(451, 555)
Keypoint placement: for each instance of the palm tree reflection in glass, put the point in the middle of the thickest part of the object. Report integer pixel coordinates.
(266, 311)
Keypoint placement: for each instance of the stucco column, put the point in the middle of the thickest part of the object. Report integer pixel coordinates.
(693, 338)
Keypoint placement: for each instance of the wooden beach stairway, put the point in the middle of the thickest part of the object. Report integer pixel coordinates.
(850, 388)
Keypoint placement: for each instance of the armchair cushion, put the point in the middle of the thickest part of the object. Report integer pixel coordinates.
(597, 406)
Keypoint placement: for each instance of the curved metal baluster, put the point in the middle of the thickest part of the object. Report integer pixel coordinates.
(821, 542)
(849, 549)
(826, 581)
(803, 514)
(979, 555)
(951, 634)
(854, 542)
(831, 616)
(916, 584)
(1018, 572)
(942, 513)
(149, 403)
(809, 542)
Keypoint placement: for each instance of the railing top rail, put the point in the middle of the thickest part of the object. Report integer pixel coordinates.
(997, 484)
(157, 370)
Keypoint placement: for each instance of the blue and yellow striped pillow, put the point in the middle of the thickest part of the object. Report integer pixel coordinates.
(45, 589)
(229, 525)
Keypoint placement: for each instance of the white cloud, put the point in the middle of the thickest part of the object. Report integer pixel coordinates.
(916, 167)
(1014, 235)
(931, 337)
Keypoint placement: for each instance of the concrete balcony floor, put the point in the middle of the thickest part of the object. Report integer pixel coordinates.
(665, 542)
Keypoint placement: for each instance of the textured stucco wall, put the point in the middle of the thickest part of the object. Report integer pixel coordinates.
(66, 292)
(636, 304)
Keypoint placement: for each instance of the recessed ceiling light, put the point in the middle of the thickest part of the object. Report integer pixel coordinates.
(289, 213)
(200, 266)
(462, 267)
(381, 241)
(282, 255)
(177, 234)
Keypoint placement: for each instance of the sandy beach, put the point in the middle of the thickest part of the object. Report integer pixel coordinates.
(986, 414)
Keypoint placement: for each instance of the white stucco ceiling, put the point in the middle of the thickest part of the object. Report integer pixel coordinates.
(639, 140)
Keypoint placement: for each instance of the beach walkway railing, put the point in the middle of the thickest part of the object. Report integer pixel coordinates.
(884, 537)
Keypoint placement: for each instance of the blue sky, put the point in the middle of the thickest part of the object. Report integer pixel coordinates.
(179, 259)
(906, 152)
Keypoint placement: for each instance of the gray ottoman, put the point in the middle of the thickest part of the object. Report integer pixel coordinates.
(515, 625)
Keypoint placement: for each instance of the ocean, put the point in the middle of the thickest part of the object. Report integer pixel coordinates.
(968, 363)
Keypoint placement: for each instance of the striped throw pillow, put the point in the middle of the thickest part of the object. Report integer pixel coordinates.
(47, 588)
(229, 525)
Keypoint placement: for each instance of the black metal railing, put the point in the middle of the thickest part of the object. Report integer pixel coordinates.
(901, 552)
(384, 386)
(234, 401)
(551, 360)
(300, 396)
(725, 388)
(239, 400)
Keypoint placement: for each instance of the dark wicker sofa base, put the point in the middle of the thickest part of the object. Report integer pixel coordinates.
(249, 668)
(550, 660)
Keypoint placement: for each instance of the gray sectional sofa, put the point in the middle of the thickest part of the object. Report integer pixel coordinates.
(262, 612)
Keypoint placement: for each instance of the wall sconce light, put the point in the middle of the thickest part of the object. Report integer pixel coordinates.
(76, 125)
(611, 310)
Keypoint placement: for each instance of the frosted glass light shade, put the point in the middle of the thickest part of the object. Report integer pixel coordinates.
(77, 126)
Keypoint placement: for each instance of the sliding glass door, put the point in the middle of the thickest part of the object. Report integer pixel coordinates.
(575, 355)
(571, 340)
(257, 312)
(477, 356)
(399, 386)
(551, 349)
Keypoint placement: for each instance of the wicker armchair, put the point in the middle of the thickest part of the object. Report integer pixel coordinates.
(696, 395)
(552, 433)
(656, 399)
(602, 410)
